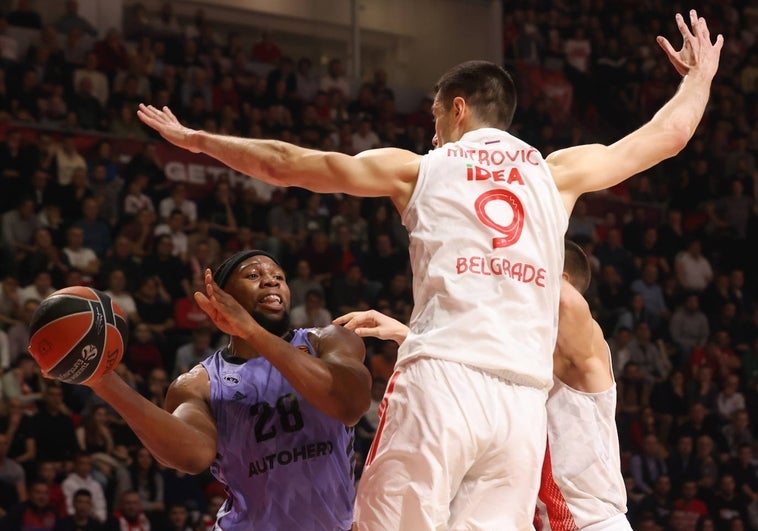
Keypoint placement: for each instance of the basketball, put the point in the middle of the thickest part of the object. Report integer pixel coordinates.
(77, 334)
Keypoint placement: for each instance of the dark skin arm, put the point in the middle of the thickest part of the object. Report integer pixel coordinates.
(183, 436)
(336, 381)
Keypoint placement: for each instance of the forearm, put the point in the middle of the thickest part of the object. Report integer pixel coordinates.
(172, 441)
(259, 158)
(685, 110)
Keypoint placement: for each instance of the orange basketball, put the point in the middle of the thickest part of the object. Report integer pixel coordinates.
(77, 334)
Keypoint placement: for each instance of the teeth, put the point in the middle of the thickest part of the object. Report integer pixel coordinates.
(272, 298)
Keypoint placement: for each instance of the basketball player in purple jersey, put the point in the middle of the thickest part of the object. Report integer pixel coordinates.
(270, 414)
(486, 215)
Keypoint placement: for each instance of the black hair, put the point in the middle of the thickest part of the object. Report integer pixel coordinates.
(487, 88)
(577, 266)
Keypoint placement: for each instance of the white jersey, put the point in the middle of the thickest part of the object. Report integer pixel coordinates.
(486, 226)
(582, 486)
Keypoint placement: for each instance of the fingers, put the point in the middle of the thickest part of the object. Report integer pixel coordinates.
(683, 29)
(694, 22)
(368, 332)
(719, 42)
(342, 319)
(664, 43)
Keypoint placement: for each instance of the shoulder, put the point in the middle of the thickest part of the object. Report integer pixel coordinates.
(334, 339)
(192, 385)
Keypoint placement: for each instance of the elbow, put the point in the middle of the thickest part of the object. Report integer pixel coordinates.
(353, 410)
(677, 139)
(194, 463)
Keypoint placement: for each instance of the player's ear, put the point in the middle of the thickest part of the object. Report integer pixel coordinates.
(566, 277)
(459, 107)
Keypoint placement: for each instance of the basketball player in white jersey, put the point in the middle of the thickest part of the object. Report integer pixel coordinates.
(582, 486)
(486, 215)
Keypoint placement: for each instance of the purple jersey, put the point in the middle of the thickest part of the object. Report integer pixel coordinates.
(285, 464)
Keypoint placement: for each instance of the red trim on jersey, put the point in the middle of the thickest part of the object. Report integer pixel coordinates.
(558, 515)
(382, 417)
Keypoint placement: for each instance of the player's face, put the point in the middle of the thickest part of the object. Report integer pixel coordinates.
(260, 286)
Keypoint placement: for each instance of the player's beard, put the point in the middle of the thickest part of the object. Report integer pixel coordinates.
(278, 326)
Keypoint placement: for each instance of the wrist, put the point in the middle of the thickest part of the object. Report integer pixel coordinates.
(699, 75)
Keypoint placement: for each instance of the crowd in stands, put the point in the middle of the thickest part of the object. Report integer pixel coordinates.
(673, 250)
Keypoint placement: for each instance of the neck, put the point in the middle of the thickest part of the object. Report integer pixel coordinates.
(239, 348)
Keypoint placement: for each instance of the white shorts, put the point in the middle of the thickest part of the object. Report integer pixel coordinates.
(456, 448)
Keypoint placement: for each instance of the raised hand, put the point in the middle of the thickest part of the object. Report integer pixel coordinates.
(371, 323)
(168, 126)
(225, 312)
(697, 52)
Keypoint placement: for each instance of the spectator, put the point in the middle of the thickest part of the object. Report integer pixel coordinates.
(646, 467)
(44, 256)
(18, 332)
(192, 353)
(728, 502)
(179, 200)
(352, 292)
(307, 84)
(335, 78)
(385, 261)
(54, 432)
(689, 327)
(730, 400)
(690, 507)
(148, 482)
(81, 519)
(682, 464)
(118, 293)
(738, 432)
(135, 198)
(175, 228)
(89, 112)
(81, 479)
(179, 518)
(80, 257)
(12, 476)
(129, 514)
(47, 473)
(98, 80)
(287, 222)
(365, 137)
(39, 289)
(219, 210)
(121, 256)
(312, 312)
(669, 401)
(658, 504)
(650, 356)
(140, 232)
(94, 435)
(68, 159)
(142, 353)
(71, 18)
(72, 195)
(693, 270)
(35, 514)
(302, 283)
(266, 50)
(97, 233)
(19, 225)
(154, 305)
(188, 316)
(705, 452)
(173, 274)
(651, 291)
(112, 54)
